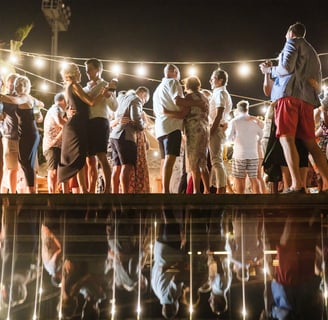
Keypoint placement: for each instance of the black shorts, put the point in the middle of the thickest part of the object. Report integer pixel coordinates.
(98, 135)
(302, 152)
(53, 158)
(170, 144)
(123, 151)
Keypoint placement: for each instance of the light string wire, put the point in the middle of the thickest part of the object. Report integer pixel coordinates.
(60, 59)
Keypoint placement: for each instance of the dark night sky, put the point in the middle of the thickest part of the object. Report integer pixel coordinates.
(166, 30)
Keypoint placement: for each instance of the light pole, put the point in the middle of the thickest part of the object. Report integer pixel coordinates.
(58, 16)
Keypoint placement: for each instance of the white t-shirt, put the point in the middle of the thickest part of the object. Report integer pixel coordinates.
(220, 99)
(164, 96)
(245, 133)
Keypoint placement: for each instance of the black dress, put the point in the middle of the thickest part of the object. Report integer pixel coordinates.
(29, 139)
(74, 140)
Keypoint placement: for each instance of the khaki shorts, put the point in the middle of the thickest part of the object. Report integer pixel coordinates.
(10, 154)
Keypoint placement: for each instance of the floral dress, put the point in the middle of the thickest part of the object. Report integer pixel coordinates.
(197, 135)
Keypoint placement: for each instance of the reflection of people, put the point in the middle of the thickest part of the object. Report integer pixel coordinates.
(219, 271)
(51, 253)
(297, 79)
(295, 287)
(125, 261)
(168, 262)
(75, 266)
(18, 253)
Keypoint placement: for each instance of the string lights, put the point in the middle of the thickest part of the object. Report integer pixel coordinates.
(116, 68)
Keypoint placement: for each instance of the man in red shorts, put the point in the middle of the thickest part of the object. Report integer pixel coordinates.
(297, 80)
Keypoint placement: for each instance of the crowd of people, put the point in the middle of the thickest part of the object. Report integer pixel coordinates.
(86, 122)
(193, 123)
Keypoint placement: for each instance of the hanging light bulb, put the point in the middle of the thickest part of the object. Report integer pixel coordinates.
(63, 64)
(44, 87)
(116, 69)
(141, 70)
(244, 70)
(192, 71)
(39, 62)
(13, 59)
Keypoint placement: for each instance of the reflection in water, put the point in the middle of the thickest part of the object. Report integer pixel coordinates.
(139, 263)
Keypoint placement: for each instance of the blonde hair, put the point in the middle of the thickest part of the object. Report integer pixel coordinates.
(71, 71)
(26, 82)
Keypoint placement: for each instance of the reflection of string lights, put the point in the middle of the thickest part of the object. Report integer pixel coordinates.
(191, 310)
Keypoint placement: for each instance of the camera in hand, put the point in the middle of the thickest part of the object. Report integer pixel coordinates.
(112, 85)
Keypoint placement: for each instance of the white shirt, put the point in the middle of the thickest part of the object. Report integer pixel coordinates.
(245, 133)
(103, 108)
(164, 96)
(220, 99)
(52, 127)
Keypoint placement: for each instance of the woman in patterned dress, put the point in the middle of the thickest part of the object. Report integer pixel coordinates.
(194, 111)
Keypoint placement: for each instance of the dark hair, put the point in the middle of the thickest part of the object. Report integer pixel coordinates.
(169, 311)
(95, 62)
(219, 304)
(298, 29)
(221, 74)
(68, 307)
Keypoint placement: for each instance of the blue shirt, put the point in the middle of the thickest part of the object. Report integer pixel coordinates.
(298, 68)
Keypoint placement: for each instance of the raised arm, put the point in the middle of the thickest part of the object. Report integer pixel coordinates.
(14, 99)
(78, 90)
